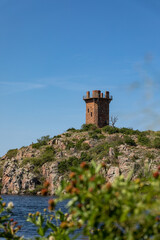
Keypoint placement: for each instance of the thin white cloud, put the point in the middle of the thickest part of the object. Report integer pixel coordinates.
(7, 88)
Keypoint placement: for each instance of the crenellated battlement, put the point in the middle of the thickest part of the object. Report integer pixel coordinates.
(97, 94)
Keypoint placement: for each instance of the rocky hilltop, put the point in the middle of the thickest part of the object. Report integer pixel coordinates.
(124, 151)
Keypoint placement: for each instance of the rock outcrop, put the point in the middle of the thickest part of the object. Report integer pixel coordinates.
(21, 174)
(18, 180)
(50, 173)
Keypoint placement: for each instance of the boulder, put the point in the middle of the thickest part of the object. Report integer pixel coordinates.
(112, 173)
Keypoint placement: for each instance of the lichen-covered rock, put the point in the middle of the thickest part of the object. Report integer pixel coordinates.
(60, 144)
(16, 179)
(111, 152)
(126, 166)
(112, 173)
(50, 173)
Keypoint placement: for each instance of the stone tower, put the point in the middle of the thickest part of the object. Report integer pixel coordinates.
(97, 108)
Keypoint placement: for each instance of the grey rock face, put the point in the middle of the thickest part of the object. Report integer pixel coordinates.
(16, 179)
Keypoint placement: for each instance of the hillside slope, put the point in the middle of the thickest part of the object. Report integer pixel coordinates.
(125, 151)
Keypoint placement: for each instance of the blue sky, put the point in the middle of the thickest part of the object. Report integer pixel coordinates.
(52, 52)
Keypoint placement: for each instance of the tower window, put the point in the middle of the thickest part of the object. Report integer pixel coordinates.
(91, 114)
(88, 110)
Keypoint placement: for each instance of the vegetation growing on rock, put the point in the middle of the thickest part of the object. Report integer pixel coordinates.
(123, 150)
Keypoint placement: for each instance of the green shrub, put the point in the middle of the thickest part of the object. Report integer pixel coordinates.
(79, 144)
(85, 146)
(41, 142)
(67, 134)
(71, 130)
(29, 160)
(98, 130)
(85, 157)
(100, 148)
(93, 135)
(12, 153)
(35, 161)
(67, 164)
(129, 141)
(117, 153)
(124, 130)
(57, 136)
(74, 139)
(64, 166)
(69, 145)
(101, 136)
(157, 133)
(36, 145)
(156, 142)
(46, 156)
(96, 134)
(110, 129)
(87, 127)
(144, 141)
(129, 131)
(149, 155)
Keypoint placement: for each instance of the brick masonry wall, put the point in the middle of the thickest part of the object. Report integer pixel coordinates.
(97, 111)
(91, 112)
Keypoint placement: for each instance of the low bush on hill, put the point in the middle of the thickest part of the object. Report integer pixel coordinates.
(69, 144)
(129, 131)
(80, 145)
(93, 135)
(150, 155)
(96, 134)
(126, 131)
(47, 156)
(98, 131)
(67, 134)
(12, 153)
(157, 133)
(144, 141)
(71, 130)
(129, 141)
(67, 164)
(110, 129)
(41, 142)
(101, 136)
(85, 146)
(88, 127)
(156, 142)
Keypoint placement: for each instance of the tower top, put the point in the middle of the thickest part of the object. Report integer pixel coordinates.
(97, 94)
